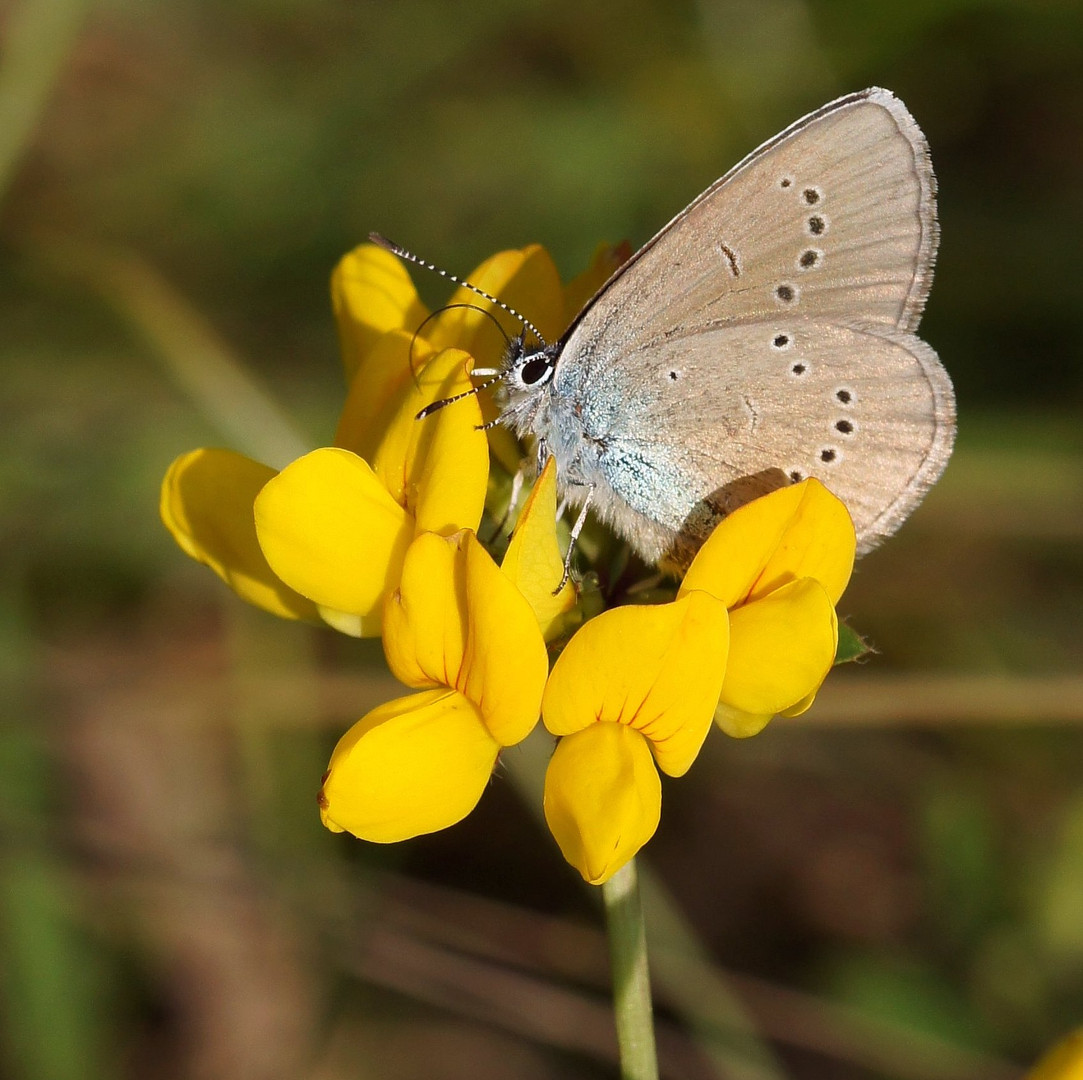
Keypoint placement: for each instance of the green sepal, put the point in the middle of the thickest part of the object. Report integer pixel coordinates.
(852, 646)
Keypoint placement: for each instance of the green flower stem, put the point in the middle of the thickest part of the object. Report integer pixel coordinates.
(710, 1008)
(631, 979)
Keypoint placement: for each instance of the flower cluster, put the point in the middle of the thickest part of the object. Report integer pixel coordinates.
(379, 534)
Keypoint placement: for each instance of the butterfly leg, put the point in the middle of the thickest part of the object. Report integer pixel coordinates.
(577, 528)
(517, 482)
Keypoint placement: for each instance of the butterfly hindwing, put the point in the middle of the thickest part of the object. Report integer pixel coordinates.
(868, 411)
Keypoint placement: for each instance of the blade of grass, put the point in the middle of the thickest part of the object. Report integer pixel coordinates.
(53, 981)
(39, 36)
(221, 385)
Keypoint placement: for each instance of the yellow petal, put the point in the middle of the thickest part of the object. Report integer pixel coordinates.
(414, 765)
(354, 625)
(331, 531)
(206, 503)
(526, 280)
(1063, 1062)
(533, 560)
(371, 293)
(818, 542)
(801, 706)
(378, 389)
(425, 616)
(437, 467)
(452, 469)
(781, 648)
(738, 724)
(797, 531)
(505, 664)
(607, 259)
(658, 669)
(456, 620)
(603, 798)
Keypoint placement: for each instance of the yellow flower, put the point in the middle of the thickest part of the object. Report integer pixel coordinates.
(458, 630)
(336, 528)
(206, 503)
(632, 683)
(378, 533)
(208, 494)
(1063, 1062)
(780, 564)
(326, 536)
(469, 637)
(752, 632)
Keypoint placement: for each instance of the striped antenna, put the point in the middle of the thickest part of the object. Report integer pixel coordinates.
(409, 256)
(437, 405)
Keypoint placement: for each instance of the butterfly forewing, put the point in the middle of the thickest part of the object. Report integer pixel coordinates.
(835, 217)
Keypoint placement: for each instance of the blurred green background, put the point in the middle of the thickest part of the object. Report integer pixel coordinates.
(891, 886)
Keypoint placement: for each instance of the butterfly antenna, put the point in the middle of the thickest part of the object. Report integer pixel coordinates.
(437, 405)
(409, 256)
(448, 307)
(491, 375)
(472, 307)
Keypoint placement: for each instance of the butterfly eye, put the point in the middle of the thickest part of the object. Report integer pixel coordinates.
(534, 370)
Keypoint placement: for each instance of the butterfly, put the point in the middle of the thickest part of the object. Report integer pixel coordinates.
(765, 335)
